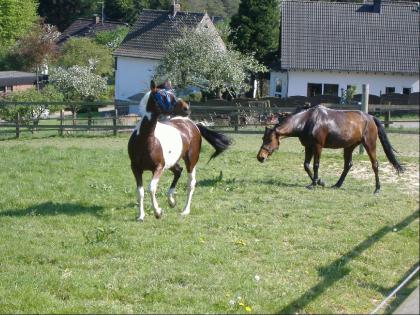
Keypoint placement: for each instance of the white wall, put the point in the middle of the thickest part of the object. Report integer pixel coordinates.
(298, 81)
(133, 76)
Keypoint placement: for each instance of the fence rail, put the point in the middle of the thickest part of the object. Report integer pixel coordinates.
(235, 114)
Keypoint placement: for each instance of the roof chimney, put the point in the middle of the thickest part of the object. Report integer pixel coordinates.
(377, 6)
(175, 7)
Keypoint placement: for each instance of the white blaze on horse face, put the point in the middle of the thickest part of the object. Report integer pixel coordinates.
(191, 187)
(171, 143)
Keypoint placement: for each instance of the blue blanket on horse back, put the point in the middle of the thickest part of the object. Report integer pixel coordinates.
(163, 98)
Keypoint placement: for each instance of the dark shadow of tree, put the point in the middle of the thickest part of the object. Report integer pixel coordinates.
(52, 208)
(338, 268)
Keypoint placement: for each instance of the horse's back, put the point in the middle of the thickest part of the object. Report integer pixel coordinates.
(338, 128)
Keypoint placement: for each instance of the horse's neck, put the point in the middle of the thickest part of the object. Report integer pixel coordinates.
(148, 125)
(291, 127)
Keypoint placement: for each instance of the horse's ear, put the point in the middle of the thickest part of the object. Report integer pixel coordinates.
(153, 85)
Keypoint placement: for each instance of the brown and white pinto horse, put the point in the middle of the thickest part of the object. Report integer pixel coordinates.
(158, 145)
(320, 127)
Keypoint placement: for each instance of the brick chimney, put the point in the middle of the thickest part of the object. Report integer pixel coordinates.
(175, 7)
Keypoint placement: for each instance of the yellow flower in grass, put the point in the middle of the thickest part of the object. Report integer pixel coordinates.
(248, 308)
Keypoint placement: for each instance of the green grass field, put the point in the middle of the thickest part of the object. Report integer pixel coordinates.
(256, 240)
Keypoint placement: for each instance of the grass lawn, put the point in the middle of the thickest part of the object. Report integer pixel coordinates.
(256, 240)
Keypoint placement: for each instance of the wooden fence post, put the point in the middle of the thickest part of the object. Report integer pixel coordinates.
(365, 107)
(236, 118)
(89, 120)
(387, 118)
(61, 130)
(17, 125)
(114, 121)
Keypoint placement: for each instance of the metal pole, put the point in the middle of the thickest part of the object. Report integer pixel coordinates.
(365, 107)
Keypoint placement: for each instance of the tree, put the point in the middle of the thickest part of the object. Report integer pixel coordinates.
(198, 58)
(111, 39)
(34, 113)
(78, 83)
(256, 28)
(84, 52)
(16, 18)
(33, 50)
(62, 13)
(124, 10)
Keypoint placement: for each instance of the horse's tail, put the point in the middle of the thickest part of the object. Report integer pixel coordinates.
(388, 149)
(217, 140)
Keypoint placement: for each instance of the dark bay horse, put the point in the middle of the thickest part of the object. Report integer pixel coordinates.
(158, 145)
(320, 127)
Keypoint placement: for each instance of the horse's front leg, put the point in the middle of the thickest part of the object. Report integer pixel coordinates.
(347, 166)
(176, 170)
(317, 157)
(138, 174)
(152, 189)
(191, 187)
(309, 153)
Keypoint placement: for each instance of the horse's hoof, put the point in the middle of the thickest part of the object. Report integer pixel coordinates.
(172, 203)
(335, 186)
(376, 191)
(139, 219)
(159, 215)
(320, 182)
(310, 186)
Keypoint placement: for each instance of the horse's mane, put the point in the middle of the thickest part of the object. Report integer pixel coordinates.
(305, 107)
(300, 108)
(143, 104)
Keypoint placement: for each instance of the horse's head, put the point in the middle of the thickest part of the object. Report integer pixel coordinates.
(270, 143)
(164, 102)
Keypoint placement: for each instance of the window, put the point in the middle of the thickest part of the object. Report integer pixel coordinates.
(277, 92)
(314, 89)
(331, 89)
(389, 89)
(406, 91)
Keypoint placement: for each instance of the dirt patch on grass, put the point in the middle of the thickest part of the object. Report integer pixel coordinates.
(407, 182)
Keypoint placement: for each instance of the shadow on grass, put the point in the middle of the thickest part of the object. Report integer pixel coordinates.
(338, 269)
(51, 208)
(211, 182)
(402, 293)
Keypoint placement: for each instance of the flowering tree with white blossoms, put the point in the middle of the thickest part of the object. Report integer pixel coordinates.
(199, 58)
(78, 83)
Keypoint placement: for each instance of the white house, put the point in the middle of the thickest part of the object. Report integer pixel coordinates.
(328, 46)
(145, 45)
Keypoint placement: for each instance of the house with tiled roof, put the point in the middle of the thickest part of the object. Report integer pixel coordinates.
(84, 27)
(328, 46)
(145, 45)
(12, 81)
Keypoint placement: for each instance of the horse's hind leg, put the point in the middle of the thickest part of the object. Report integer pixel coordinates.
(152, 189)
(138, 174)
(309, 153)
(176, 170)
(191, 187)
(347, 165)
(370, 146)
